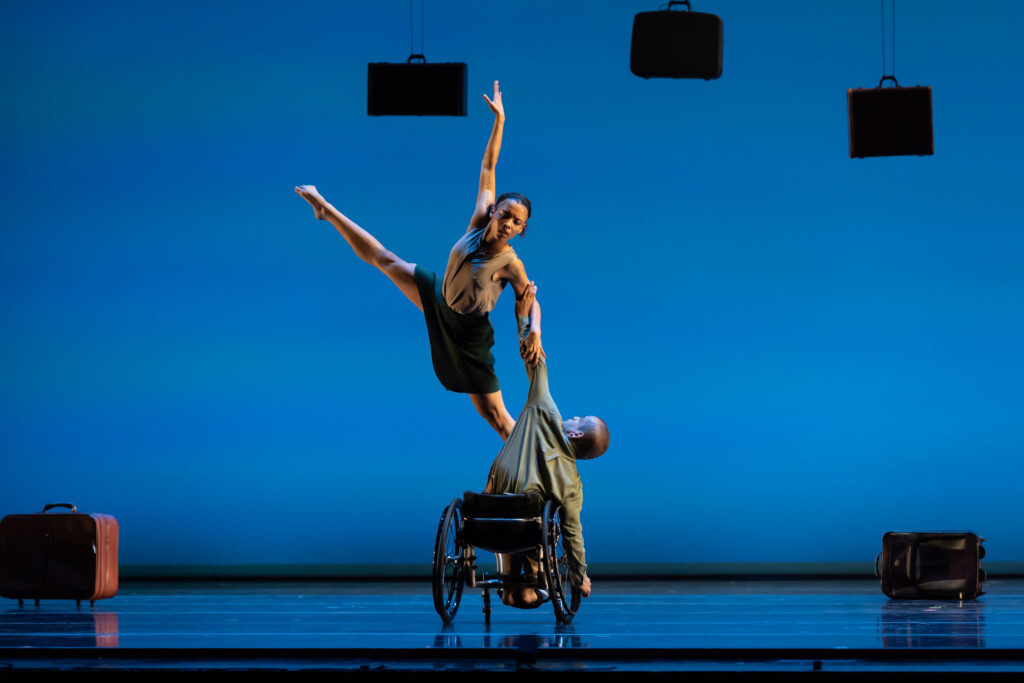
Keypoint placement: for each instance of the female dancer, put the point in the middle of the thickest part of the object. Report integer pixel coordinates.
(456, 309)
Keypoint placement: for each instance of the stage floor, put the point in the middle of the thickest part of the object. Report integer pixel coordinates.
(626, 625)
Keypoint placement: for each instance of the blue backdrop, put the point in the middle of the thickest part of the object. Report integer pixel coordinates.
(795, 351)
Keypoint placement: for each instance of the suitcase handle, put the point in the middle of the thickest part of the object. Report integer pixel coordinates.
(70, 506)
(878, 574)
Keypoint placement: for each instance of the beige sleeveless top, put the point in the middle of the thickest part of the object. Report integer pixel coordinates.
(468, 287)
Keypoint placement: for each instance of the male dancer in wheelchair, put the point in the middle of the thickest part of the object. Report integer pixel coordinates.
(540, 455)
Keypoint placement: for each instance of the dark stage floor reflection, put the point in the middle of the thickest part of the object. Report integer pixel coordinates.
(621, 616)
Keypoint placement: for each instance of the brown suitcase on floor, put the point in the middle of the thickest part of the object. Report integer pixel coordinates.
(70, 556)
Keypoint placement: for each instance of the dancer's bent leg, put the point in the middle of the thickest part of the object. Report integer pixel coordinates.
(365, 245)
(492, 408)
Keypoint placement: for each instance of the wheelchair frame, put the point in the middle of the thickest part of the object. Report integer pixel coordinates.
(455, 565)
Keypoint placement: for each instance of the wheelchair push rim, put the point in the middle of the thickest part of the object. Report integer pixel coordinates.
(449, 562)
(565, 597)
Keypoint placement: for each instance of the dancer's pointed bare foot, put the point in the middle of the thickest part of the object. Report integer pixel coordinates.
(309, 193)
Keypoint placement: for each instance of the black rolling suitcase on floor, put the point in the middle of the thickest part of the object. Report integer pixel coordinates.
(942, 565)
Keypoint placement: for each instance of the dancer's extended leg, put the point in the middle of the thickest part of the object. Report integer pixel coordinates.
(365, 245)
(492, 408)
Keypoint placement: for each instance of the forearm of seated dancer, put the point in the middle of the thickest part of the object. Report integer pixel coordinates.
(572, 542)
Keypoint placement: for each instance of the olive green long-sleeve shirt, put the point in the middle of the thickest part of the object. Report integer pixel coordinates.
(537, 456)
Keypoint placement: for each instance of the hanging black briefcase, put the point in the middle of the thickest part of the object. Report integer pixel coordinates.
(937, 565)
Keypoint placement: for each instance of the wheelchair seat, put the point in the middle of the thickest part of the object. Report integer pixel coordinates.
(503, 523)
(502, 504)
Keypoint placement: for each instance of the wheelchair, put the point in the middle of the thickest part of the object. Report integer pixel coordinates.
(502, 524)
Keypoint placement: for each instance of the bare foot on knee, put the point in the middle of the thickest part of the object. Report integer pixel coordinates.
(529, 597)
(523, 598)
(310, 194)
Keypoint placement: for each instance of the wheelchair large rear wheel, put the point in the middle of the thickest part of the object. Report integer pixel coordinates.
(564, 596)
(449, 562)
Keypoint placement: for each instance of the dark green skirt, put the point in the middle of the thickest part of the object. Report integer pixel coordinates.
(460, 345)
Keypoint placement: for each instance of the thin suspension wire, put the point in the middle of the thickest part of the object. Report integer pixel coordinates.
(892, 30)
(882, 6)
(894, 38)
(412, 23)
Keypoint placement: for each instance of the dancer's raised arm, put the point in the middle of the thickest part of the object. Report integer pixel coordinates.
(485, 194)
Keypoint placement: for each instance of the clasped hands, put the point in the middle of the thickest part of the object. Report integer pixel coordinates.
(529, 345)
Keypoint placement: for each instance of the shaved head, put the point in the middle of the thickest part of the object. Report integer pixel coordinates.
(595, 438)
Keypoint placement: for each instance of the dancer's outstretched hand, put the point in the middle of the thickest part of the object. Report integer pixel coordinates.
(530, 349)
(309, 193)
(495, 104)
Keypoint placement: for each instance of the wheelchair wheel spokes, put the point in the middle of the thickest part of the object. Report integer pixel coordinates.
(564, 596)
(568, 591)
(449, 562)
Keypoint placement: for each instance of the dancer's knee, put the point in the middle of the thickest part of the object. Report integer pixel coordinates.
(492, 409)
(496, 416)
(384, 259)
(398, 269)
